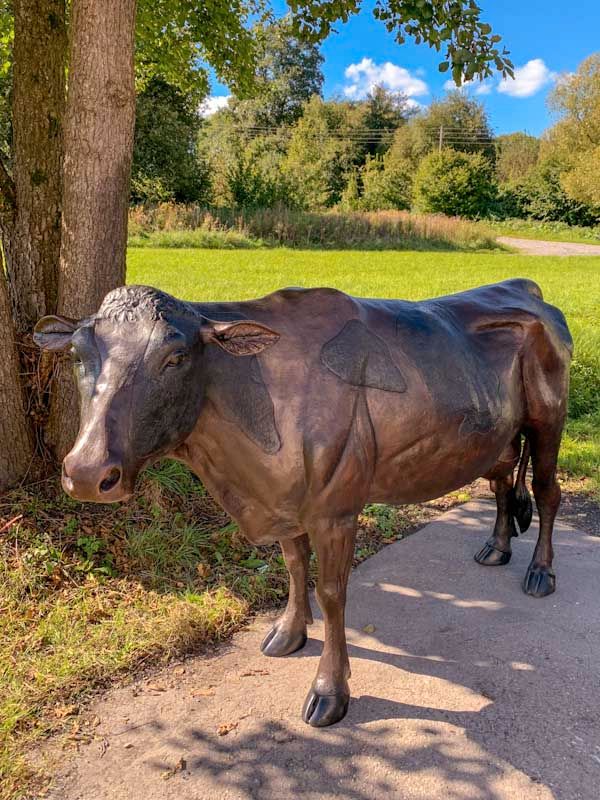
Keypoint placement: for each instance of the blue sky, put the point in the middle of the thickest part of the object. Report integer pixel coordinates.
(545, 38)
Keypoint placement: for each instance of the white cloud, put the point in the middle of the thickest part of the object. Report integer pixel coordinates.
(483, 87)
(529, 79)
(213, 104)
(479, 87)
(364, 76)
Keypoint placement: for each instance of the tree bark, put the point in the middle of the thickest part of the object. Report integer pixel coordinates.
(38, 106)
(16, 443)
(99, 127)
(29, 223)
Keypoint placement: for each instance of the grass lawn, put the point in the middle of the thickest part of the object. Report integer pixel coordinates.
(193, 274)
(573, 284)
(89, 591)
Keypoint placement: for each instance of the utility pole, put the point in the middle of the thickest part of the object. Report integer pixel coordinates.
(441, 145)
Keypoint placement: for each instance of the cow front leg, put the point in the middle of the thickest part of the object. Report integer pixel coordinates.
(288, 634)
(328, 698)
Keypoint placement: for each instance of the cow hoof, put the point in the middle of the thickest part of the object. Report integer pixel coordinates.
(539, 581)
(322, 710)
(490, 556)
(282, 642)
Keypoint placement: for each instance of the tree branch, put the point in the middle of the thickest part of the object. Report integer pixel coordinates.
(7, 187)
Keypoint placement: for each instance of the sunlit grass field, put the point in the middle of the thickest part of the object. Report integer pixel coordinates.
(194, 274)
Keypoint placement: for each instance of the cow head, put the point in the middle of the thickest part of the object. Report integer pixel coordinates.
(138, 364)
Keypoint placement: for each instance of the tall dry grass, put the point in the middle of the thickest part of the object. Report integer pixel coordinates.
(173, 225)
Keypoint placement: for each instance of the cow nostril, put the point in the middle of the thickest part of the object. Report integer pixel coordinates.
(111, 480)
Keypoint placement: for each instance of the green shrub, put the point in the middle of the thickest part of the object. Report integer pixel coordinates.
(380, 185)
(251, 185)
(398, 183)
(146, 189)
(543, 197)
(453, 183)
(374, 181)
(351, 195)
(509, 203)
(386, 185)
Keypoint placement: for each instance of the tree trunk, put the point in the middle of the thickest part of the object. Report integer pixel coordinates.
(16, 447)
(99, 126)
(30, 223)
(38, 106)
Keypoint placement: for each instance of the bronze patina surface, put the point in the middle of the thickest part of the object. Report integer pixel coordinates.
(298, 408)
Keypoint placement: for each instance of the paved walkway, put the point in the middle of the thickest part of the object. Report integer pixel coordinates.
(463, 689)
(536, 247)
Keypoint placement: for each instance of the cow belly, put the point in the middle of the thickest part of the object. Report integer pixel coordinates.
(438, 462)
(433, 447)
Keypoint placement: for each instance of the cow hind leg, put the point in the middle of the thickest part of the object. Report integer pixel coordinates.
(540, 579)
(497, 550)
(513, 503)
(288, 634)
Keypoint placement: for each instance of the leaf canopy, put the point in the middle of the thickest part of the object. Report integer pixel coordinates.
(181, 40)
(453, 26)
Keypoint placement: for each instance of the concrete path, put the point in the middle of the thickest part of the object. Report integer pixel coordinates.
(464, 689)
(536, 247)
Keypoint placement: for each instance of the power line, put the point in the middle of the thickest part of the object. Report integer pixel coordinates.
(442, 134)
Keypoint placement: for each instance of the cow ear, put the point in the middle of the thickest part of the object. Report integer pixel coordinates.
(244, 338)
(54, 332)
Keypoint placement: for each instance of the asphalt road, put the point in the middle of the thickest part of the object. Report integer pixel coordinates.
(463, 688)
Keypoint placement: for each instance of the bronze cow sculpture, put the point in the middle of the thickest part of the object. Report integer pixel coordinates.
(298, 408)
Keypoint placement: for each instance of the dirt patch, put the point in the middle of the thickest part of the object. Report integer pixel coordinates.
(537, 247)
(580, 511)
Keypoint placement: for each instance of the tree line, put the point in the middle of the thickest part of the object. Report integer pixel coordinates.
(287, 145)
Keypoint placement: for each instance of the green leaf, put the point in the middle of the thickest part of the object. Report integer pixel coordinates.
(253, 563)
(444, 66)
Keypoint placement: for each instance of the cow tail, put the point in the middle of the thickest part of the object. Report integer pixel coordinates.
(522, 505)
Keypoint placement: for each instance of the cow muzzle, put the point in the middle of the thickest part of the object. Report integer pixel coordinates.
(94, 483)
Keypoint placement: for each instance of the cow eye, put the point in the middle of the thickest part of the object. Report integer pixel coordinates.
(176, 358)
